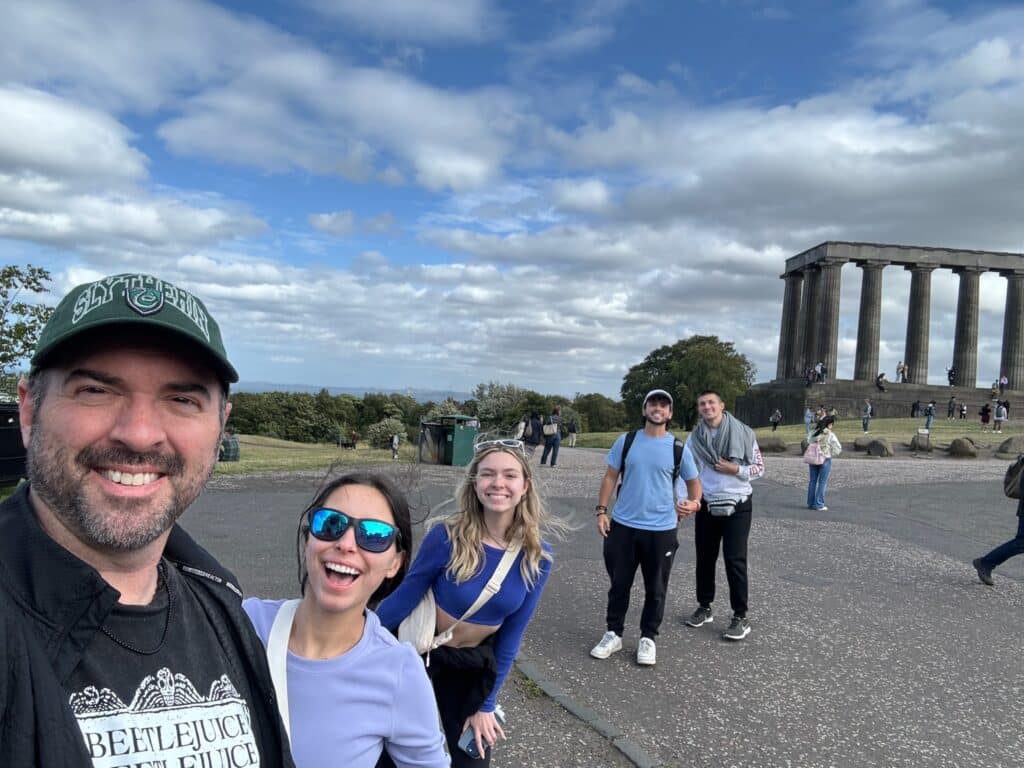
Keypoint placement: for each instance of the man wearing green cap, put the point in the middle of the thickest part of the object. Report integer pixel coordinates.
(123, 641)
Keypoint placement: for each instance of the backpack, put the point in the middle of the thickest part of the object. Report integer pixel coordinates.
(1011, 482)
(677, 458)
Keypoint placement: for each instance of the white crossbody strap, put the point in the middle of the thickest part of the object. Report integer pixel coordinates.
(277, 656)
(491, 588)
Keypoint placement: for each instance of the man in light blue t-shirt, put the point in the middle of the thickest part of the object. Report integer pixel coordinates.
(642, 530)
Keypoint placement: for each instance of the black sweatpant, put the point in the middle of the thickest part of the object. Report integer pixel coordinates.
(654, 551)
(729, 534)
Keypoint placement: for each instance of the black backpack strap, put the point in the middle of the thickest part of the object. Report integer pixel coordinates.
(677, 459)
(630, 437)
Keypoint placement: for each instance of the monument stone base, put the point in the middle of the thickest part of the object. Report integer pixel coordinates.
(793, 397)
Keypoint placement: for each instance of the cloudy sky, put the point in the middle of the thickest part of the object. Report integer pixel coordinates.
(435, 193)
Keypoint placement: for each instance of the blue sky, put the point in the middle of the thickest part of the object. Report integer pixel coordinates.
(428, 193)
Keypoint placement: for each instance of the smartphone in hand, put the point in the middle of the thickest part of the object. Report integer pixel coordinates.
(467, 742)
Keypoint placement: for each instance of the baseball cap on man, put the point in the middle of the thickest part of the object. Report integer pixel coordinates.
(658, 393)
(136, 300)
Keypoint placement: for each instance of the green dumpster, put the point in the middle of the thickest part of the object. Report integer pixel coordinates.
(448, 440)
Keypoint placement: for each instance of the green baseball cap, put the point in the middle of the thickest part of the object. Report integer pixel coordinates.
(134, 299)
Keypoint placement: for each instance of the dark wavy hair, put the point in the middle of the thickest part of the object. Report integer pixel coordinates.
(399, 506)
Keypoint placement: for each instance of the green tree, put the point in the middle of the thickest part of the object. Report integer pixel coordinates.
(599, 413)
(20, 321)
(685, 369)
(499, 404)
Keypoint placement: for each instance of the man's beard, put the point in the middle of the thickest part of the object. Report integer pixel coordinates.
(108, 523)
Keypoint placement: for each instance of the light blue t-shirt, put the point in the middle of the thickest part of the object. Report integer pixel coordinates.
(345, 710)
(646, 500)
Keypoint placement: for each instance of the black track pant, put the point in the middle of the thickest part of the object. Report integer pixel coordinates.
(729, 534)
(654, 551)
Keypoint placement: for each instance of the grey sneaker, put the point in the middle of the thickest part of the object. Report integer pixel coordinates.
(739, 628)
(609, 644)
(700, 617)
(646, 653)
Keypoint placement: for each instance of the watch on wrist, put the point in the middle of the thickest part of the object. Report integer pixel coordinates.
(601, 509)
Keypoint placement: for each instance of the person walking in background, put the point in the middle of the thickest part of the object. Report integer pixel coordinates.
(1003, 383)
(986, 416)
(552, 436)
(775, 418)
(328, 645)
(951, 409)
(929, 414)
(829, 446)
(395, 442)
(880, 381)
(532, 434)
(900, 377)
(642, 528)
(998, 417)
(572, 430)
(963, 411)
(1015, 546)
(809, 420)
(951, 375)
(728, 458)
(866, 416)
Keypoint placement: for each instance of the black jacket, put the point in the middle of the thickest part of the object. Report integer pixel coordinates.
(51, 605)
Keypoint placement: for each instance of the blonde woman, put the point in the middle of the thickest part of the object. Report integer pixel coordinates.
(497, 505)
(830, 446)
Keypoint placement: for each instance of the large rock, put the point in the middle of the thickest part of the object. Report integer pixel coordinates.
(772, 444)
(963, 448)
(862, 443)
(1013, 444)
(921, 443)
(880, 446)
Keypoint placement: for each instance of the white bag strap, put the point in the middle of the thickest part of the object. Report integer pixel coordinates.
(491, 588)
(277, 656)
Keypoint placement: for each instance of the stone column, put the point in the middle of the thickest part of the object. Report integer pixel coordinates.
(1013, 331)
(809, 318)
(829, 282)
(790, 317)
(918, 320)
(965, 340)
(869, 321)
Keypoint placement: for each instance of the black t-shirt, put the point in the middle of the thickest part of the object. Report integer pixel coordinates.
(185, 706)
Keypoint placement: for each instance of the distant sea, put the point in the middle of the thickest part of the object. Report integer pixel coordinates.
(419, 395)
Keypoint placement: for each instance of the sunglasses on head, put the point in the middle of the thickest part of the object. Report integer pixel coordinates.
(329, 524)
(516, 445)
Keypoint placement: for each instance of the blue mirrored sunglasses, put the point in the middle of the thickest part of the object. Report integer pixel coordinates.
(329, 524)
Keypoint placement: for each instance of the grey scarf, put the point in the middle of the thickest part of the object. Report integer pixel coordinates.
(734, 442)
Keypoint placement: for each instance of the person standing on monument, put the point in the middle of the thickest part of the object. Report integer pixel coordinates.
(113, 621)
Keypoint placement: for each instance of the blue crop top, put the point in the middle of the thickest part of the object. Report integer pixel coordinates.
(512, 607)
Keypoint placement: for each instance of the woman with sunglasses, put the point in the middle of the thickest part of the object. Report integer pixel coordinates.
(497, 505)
(351, 689)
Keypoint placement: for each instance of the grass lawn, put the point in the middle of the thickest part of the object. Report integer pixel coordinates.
(267, 454)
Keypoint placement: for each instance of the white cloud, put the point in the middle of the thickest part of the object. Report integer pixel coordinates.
(339, 223)
(422, 20)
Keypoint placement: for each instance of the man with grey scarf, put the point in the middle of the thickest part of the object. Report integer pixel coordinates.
(728, 458)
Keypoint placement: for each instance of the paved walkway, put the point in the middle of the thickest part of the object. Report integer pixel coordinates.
(873, 644)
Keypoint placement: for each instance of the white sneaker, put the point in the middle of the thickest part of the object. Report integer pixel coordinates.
(646, 654)
(609, 644)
